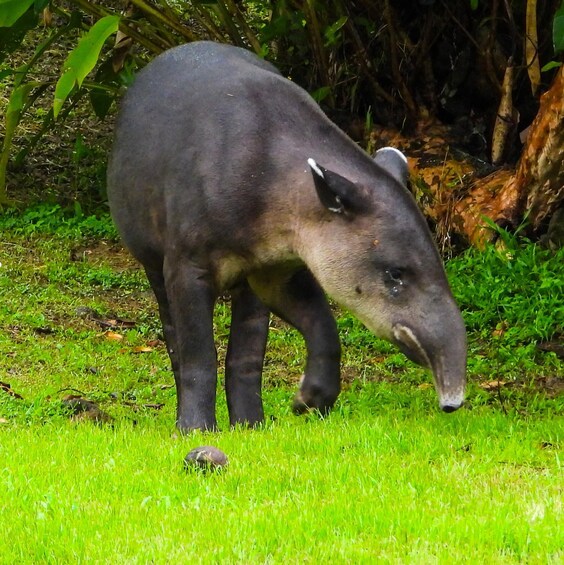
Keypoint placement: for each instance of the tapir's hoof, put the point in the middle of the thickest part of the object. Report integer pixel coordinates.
(186, 427)
(246, 423)
(300, 406)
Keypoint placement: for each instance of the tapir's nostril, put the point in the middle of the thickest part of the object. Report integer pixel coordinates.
(450, 407)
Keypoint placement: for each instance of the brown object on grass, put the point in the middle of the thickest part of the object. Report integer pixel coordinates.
(83, 409)
(206, 457)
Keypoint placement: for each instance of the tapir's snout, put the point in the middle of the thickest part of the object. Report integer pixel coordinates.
(450, 378)
(449, 369)
(442, 351)
(448, 408)
(450, 403)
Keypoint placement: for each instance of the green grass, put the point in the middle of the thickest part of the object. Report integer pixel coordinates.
(385, 478)
(376, 485)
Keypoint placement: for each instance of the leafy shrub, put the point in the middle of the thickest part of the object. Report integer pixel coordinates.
(52, 218)
(514, 295)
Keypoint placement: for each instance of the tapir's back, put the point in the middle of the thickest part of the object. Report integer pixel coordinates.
(201, 121)
(187, 99)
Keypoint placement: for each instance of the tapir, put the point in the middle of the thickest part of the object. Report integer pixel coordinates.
(227, 178)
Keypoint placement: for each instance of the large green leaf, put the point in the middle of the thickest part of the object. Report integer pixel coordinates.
(11, 37)
(558, 29)
(12, 10)
(82, 59)
(332, 31)
(16, 103)
(102, 97)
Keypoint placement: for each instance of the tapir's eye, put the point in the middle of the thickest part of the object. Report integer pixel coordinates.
(394, 275)
(393, 279)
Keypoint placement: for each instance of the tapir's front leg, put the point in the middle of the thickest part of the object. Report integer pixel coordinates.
(298, 299)
(191, 299)
(245, 356)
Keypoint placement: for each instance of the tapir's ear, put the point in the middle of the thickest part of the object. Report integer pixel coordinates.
(337, 194)
(394, 162)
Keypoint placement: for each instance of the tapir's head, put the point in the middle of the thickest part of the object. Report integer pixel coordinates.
(374, 254)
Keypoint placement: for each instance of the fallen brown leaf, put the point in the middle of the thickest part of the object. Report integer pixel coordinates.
(142, 349)
(379, 359)
(115, 323)
(492, 385)
(7, 388)
(556, 347)
(113, 336)
(156, 406)
(500, 329)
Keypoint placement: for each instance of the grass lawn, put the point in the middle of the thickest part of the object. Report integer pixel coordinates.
(385, 478)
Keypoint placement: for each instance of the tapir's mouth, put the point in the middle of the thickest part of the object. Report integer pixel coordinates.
(410, 346)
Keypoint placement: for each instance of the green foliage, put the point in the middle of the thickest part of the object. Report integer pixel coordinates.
(18, 98)
(82, 59)
(43, 219)
(558, 29)
(26, 93)
(11, 36)
(333, 49)
(12, 10)
(519, 288)
(363, 57)
(511, 299)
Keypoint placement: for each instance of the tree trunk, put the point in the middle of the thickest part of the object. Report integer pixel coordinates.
(535, 190)
(457, 191)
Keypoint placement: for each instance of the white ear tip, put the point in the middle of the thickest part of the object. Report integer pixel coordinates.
(397, 151)
(315, 167)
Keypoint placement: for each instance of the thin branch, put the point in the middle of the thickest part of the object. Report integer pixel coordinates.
(227, 21)
(100, 12)
(398, 79)
(317, 46)
(459, 24)
(165, 19)
(242, 23)
(366, 64)
(204, 18)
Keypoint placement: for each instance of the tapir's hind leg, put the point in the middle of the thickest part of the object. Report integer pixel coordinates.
(186, 300)
(156, 280)
(298, 299)
(245, 356)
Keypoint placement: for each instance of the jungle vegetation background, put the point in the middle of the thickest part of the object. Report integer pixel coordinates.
(471, 90)
(387, 477)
